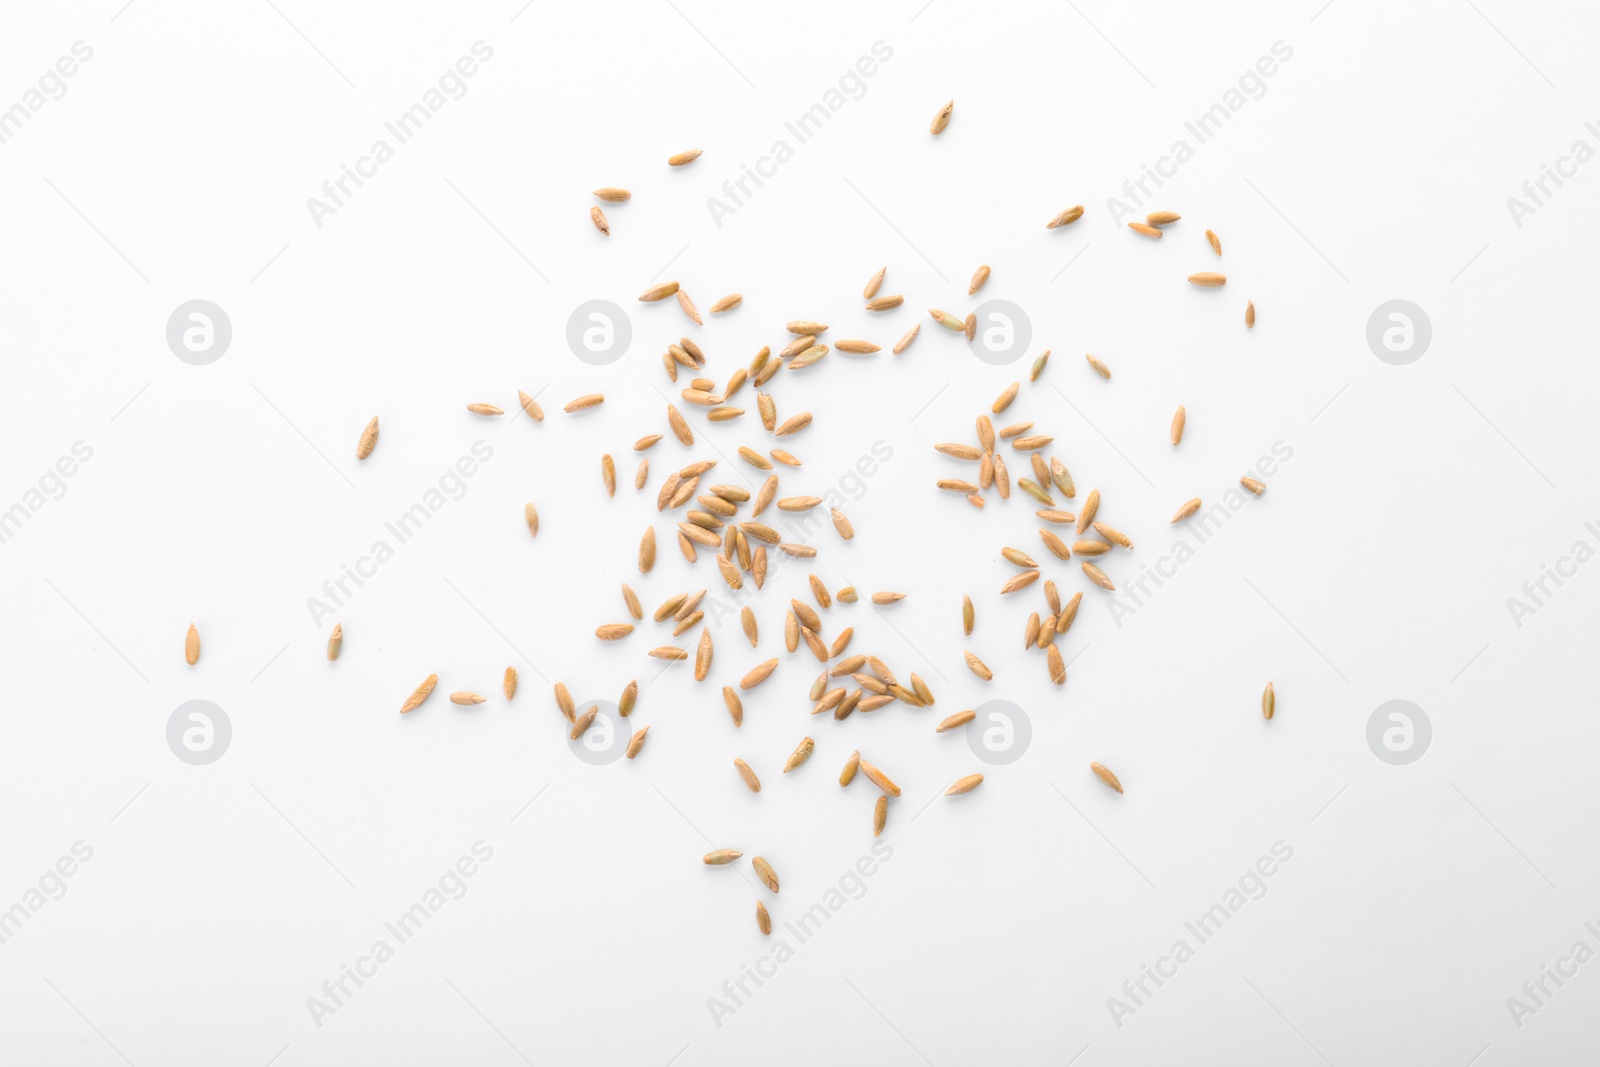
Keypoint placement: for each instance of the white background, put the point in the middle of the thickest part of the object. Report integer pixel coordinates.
(1378, 566)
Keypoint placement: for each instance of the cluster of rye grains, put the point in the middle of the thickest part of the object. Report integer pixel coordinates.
(722, 520)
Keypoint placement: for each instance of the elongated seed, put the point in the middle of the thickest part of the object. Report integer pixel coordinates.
(1072, 214)
(1098, 576)
(508, 684)
(1091, 504)
(1179, 418)
(1189, 508)
(879, 779)
(763, 920)
(335, 641)
(727, 303)
(880, 815)
(851, 765)
(420, 694)
(658, 292)
(720, 857)
(612, 195)
(1144, 228)
(585, 402)
(953, 722)
(636, 742)
(979, 276)
(1208, 280)
(1214, 241)
(581, 725)
(802, 751)
(683, 158)
(874, 283)
(1162, 218)
(598, 217)
(1099, 367)
(764, 871)
(1103, 772)
(191, 646)
(530, 406)
(942, 119)
(749, 776)
(978, 667)
(758, 674)
(1269, 702)
(369, 439)
(964, 785)
(905, 342)
(1254, 486)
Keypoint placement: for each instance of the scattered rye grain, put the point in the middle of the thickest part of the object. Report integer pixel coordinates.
(629, 698)
(734, 704)
(508, 683)
(763, 920)
(1064, 518)
(964, 785)
(191, 646)
(978, 667)
(970, 327)
(683, 158)
(880, 815)
(1214, 241)
(1038, 365)
(802, 751)
(668, 652)
(727, 303)
(598, 217)
(1091, 504)
(466, 699)
(720, 857)
(758, 674)
(647, 550)
(585, 402)
(689, 309)
(1057, 547)
(942, 119)
(1253, 485)
(1064, 620)
(1208, 280)
(569, 710)
(420, 694)
(1112, 534)
(1020, 581)
(1179, 419)
(369, 439)
(1144, 228)
(764, 871)
(1099, 367)
(885, 303)
(1056, 665)
(847, 595)
(874, 283)
(1071, 215)
(879, 779)
(484, 409)
(1007, 395)
(1102, 772)
(851, 765)
(967, 616)
(788, 459)
(530, 406)
(658, 292)
(335, 641)
(1189, 508)
(1090, 548)
(636, 742)
(612, 195)
(863, 348)
(1098, 576)
(905, 342)
(1269, 702)
(613, 631)
(1162, 218)
(749, 776)
(702, 657)
(953, 722)
(1249, 314)
(793, 424)
(979, 276)
(947, 320)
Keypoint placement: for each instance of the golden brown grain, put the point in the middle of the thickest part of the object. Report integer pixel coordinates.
(1020, 581)
(1098, 576)
(874, 283)
(942, 119)
(802, 751)
(964, 785)
(658, 292)
(612, 195)
(764, 871)
(880, 815)
(465, 698)
(905, 342)
(959, 719)
(1269, 702)
(1072, 214)
(689, 309)
(1254, 486)
(530, 407)
(947, 320)
(967, 616)
(369, 439)
(420, 694)
(585, 402)
(636, 742)
(1058, 668)
(683, 158)
(1103, 772)
(979, 276)
(191, 646)
(647, 550)
(1162, 218)
(702, 657)
(721, 856)
(1215, 242)
(1007, 395)
(1144, 228)
(1099, 367)
(978, 667)
(668, 652)
(630, 697)
(763, 920)
(851, 765)
(1249, 314)
(1090, 548)
(613, 631)
(1179, 418)
(569, 710)
(758, 674)
(879, 779)
(1091, 504)
(1208, 280)
(598, 217)
(1189, 508)
(508, 684)
(335, 641)
(484, 409)
(727, 303)
(861, 348)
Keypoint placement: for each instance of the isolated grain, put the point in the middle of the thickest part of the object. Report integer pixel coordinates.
(191, 646)
(1208, 280)
(874, 283)
(847, 595)
(721, 857)
(1091, 504)
(879, 779)
(689, 309)
(942, 119)
(1179, 418)
(683, 158)
(978, 667)
(630, 697)
(947, 320)
(885, 303)
(880, 815)
(1058, 668)
(585, 402)
(1099, 367)
(1038, 365)
(1020, 581)
(861, 348)
(1249, 314)
(841, 523)
(1254, 486)
(1098, 576)
(702, 657)
(608, 474)
(1189, 508)
(749, 776)
(508, 683)
(530, 406)
(1007, 395)
(636, 742)
(905, 342)
(801, 753)
(1215, 241)
(763, 920)
(668, 652)
(734, 704)
(1162, 218)
(793, 424)
(1103, 772)
(1144, 228)
(979, 276)
(647, 550)
(466, 699)
(569, 710)
(680, 426)
(420, 694)
(1072, 214)
(964, 785)
(727, 303)
(612, 195)
(1112, 534)
(658, 292)
(335, 641)
(1057, 547)
(975, 500)
(1269, 702)
(613, 631)
(758, 674)
(764, 871)
(484, 409)
(598, 217)
(956, 721)
(369, 439)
